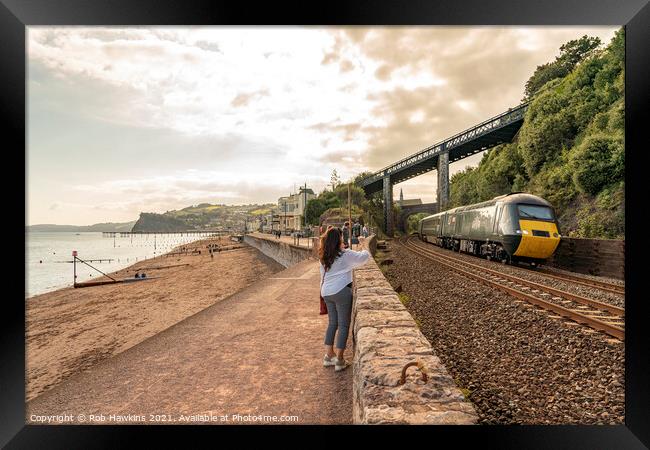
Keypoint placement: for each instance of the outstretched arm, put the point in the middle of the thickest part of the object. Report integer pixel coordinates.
(356, 259)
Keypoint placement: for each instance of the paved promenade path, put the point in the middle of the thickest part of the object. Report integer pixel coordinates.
(302, 242)
(257, 352)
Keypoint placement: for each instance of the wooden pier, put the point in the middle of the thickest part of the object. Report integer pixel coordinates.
(101, 260)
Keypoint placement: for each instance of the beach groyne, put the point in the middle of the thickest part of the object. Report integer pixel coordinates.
(397, 379)
(281, 252)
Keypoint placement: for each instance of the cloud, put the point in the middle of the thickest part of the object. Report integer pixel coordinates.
(208, 46)
(346, 66)
(349, 131)
(329, 58)
(180, 189)
(245, 98)
(383, 72)
(256, 110)
(438, 81)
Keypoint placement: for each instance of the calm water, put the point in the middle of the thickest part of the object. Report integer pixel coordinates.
(44, 252)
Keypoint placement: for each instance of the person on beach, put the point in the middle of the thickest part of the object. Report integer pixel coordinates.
(336, 265)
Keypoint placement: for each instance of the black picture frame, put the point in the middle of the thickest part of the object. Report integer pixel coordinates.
(16, 15)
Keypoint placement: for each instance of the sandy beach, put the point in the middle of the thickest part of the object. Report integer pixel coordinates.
(70, 330)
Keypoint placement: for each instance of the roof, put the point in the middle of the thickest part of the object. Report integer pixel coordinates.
(513, 197)
(522, 197)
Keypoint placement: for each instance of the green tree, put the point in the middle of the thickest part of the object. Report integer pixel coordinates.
(543, 74)
(571, 54)
(570, 149)
(544, 139)
(599, 161)
(315, 207)
(464, 187)
(330, 199)
(357, 194)
(413, 221)
(335, 179)
(361, 176)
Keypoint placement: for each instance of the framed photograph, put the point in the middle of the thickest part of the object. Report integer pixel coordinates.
(454, 181)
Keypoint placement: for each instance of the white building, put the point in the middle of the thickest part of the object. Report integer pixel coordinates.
(290, 212)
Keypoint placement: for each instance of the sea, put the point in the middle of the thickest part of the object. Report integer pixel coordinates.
(48, 255)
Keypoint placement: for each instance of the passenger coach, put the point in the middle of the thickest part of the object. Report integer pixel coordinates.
(509, 228)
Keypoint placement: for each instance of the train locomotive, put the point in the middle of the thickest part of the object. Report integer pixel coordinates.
(516, 227)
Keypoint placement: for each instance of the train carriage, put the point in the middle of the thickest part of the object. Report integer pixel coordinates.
(511, 227)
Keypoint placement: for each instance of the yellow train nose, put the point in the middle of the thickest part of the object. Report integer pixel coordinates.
(539, 239)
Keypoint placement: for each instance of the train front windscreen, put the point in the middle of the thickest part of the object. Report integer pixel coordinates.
(535, 212)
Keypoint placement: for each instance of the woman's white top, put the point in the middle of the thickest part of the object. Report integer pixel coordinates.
(340, 274)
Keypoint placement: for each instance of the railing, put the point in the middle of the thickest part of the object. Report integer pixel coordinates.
(482, 128)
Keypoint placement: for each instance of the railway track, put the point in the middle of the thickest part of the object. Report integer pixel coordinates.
(602, 285)
(592, 313)
(534, 285)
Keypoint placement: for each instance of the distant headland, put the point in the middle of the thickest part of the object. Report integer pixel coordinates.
(107, 226)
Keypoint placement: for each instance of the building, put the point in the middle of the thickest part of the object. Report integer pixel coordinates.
(409, 202)
(290, 212)
(252, 225)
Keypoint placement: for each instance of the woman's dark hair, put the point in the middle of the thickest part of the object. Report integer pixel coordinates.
(330, 247)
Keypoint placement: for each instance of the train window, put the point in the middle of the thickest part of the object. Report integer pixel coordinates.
(535, 212)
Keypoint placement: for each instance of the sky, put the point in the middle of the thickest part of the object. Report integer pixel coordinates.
(130, 120)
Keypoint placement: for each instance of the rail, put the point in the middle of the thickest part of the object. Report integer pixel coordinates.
(593, 319)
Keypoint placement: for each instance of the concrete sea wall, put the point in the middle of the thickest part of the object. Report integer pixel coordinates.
(285, 254)
(386, 340)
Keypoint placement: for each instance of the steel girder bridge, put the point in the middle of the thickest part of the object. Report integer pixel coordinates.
(497, 130)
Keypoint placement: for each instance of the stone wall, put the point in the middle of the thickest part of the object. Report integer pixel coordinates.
(602, 257)
(285, 254)
(371, 244)
(386, 339)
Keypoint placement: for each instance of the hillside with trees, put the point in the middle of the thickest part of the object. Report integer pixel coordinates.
(571, 147)
(201, 217)
(150, 222)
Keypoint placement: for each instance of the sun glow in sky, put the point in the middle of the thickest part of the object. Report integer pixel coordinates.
(125, 120)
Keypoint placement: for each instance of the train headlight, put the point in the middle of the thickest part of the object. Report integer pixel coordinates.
(556, 235)
(524, 231)
(518, 231)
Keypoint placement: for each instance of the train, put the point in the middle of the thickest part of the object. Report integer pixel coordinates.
(511, 228)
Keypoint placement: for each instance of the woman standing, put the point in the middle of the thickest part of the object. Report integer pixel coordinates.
(336, 268)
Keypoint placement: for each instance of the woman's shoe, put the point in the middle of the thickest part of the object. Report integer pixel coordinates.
(329, 361)
(340, 364)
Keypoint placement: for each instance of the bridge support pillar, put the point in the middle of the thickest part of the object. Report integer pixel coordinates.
(389, 226)
(443, 181)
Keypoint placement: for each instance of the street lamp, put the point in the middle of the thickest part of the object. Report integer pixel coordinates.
(285, 215)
